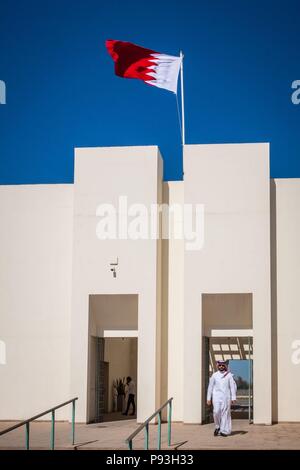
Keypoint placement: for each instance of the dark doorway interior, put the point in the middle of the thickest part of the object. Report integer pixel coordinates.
(102, 374)
(112, 359)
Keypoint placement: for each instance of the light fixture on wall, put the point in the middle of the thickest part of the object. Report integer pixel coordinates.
(113, 267)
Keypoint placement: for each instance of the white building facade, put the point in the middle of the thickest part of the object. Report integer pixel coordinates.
(79, 310)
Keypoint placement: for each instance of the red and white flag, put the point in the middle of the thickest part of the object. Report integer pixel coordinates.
(154, 68)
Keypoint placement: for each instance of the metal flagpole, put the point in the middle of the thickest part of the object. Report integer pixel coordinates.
(182, 109)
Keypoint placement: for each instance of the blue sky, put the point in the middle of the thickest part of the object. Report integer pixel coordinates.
(241, 57)
(240, 368)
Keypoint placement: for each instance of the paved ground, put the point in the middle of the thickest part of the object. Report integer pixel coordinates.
(184, 436)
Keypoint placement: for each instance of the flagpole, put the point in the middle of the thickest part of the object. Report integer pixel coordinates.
(182, 110)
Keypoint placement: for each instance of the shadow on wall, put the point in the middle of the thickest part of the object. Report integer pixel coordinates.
(273, 244)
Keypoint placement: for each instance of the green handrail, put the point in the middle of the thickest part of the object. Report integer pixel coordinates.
(27, 422)
(145, 426)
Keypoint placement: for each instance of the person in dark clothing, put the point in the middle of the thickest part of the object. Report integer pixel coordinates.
(131, 396)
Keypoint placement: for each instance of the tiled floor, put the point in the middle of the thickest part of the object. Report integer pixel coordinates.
(112, 435)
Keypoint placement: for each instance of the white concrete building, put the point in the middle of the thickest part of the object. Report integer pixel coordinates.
(78, 312)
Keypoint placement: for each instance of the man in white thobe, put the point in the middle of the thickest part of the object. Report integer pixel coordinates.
(222, 393)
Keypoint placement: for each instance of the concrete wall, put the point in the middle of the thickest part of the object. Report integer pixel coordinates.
(232, 181)
(286, 300)
(35, 294)
(173, 299)
(160, 354)
(112, 312)
(50, 255)
(226, 312)
(101, 176)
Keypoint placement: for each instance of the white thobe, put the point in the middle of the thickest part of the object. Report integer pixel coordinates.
(221, 390)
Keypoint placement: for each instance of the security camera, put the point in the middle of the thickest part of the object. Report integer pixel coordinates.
(113, 270)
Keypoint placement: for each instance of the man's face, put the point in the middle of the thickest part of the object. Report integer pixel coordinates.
(221, 367)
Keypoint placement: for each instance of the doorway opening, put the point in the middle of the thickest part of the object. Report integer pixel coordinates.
(227, 335)
(238, 351)
(116, 359)
(113, 356)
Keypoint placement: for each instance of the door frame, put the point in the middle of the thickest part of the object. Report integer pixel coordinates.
(206, 360)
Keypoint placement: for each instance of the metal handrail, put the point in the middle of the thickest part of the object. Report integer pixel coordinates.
(27, 422)
(145, 425)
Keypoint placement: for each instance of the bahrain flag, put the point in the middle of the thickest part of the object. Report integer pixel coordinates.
(154, 68)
